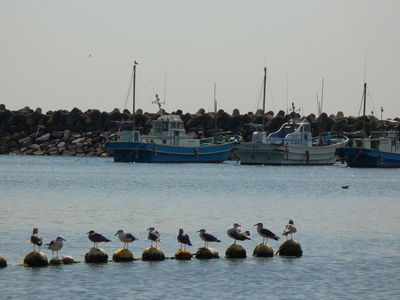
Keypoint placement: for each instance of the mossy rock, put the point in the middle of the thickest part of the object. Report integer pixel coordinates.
(290, 248)
(206, 253)
(68, 260)
(55, 261)
(122, 255)
(183, 254)
(3, 262)
(96, 255)
(235, 251)
(153, 254)
(36, 259)
(263, 250)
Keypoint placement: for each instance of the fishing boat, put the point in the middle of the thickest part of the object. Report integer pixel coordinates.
(379, 150)
(292, 144)
(167, 142)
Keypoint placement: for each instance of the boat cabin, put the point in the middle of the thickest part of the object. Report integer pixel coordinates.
(385, 141)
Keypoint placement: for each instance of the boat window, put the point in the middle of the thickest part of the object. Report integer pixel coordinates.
(173, 125)
(180, 125)
(164, 126)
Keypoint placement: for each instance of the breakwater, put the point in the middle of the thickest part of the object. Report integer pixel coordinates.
(77, 133)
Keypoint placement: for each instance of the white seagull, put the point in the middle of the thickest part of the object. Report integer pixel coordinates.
(36, 239)
(289, 229)
(235, 233)
(207, 237)
(265, 233)
(154, 235)
(125, 237)
(56, 245)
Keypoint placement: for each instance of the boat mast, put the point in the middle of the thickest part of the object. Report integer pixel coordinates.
(134, 93)
(215, 109)
(364, 104)
(265, 87)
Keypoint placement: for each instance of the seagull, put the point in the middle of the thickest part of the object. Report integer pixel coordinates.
(183, 238)
(56, 245)
(289, 229)
(36, 239)
(236, 234)
(125, 237)
(207, 237)
(96, 238)
(345, 186)
(265, 233)
(154, 235)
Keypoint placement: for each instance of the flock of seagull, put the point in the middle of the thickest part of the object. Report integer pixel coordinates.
(154, 236)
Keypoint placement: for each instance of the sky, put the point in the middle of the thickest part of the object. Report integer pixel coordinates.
(65, 54)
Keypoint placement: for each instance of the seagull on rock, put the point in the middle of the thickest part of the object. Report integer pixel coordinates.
(207, 237)
(36, 239)
(96, 238)
(183, 238)
(56, 245)
(125, 237)
(265, 233)
(289, 229)
(154, 235)
(235, 233)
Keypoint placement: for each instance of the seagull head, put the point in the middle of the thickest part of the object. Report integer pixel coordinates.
(35, 231)
(60, 238)
(90, 232)
(291, 222)
(180, 230)
(118, 232)
(201, 230)
(236, 225)
(150, 229)
(259, 225)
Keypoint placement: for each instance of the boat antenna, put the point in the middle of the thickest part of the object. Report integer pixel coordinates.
(265, 87)
(287, 94)
(165, 85)
(364, 104)
(215, 109)
(322, 95)
(135, 63)
(382, 117)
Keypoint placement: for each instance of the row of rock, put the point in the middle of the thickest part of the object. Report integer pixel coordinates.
(77, 133)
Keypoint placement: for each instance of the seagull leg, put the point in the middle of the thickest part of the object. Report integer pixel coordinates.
(234, 242)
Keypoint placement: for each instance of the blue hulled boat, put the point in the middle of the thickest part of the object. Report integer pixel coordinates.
(380, 150)
(167, 143)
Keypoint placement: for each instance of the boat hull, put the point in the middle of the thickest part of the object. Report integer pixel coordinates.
(271, 154)
(368, 158)
(150, 153)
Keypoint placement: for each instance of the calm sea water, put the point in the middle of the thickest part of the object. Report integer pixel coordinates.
(350, 238)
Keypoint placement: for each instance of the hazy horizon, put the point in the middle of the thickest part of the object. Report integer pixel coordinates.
(60, 55)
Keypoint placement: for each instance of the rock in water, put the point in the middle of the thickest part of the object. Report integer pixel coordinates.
(206, 253)
(67, 260)
(235, 251)
(153, 253)
(183, 254)
(122, 255)
(55, 261)
(290, 248)
(96, 255)
(3, 262)
(36, 259)
(263, 250)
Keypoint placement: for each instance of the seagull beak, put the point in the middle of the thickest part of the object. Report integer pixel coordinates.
(115, 234)
(64, 239)
(255, 224)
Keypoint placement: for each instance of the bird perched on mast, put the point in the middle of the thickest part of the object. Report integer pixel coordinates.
(125, 237)
(154, 235)
(183, 238)
(235, 233)
(36, 239)
(289, 229)
(265, 233)
(56, 245)
(96, 238)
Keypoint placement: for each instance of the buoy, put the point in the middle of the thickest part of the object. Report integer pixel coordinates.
(3, 262)
(263, 250)
(290, 248)
(183, 254)
(206, 253)
(36, 259)
(153, 253)
(96, 255)
(122, 255)
(55, 261)
(67, 260)
(235, 251)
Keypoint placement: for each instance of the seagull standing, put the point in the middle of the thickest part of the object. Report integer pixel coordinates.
(265, 233)
(183, 238)
(235, 233)
(36, 239)
(289, 229)
(96, 238)
(154, 235)
(56, 245)
(207, 237)
(125, 237)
